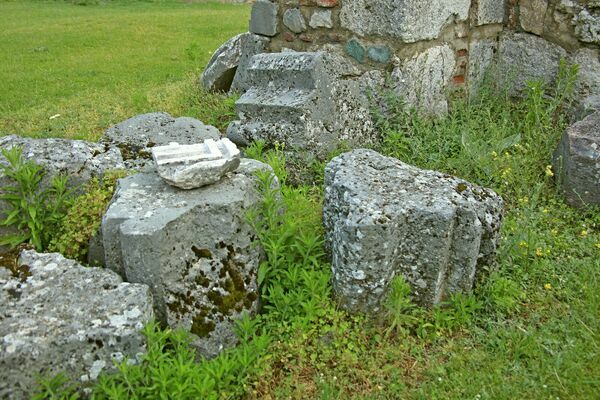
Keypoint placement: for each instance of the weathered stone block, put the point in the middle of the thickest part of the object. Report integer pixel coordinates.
(408, 20)
(356, 50)
(263, 20)
(422, 80)
(227, 66)
(196, 165)
(524, 57)
(379, 53)
(533, 13)
(321, 19)
(577, 162)
(136, 136)
(384, 218)
(587, 25)
(62, 317)
(490, 12)
(294, 20)
(194, 248)
(481, 57)
(300, 100)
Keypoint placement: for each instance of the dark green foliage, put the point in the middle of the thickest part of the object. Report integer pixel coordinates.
(34, 211)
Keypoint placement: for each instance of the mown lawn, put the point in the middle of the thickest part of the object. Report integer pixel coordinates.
(96, 65)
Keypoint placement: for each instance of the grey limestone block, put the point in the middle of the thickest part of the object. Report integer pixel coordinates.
(225, 70)
(408, 20)
(62, 317)
(263, 19)
(194, 248)
(384, 218)
(136, 136)
(577, 162)
(294, 20)
(490, 12)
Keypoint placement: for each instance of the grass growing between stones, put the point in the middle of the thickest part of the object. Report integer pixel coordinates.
(72, 71)
(530, 330)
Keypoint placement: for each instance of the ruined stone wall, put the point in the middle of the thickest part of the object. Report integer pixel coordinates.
(433, 47)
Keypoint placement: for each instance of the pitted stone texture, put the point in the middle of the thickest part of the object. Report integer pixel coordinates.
(587, 25)
(490, 12)
(321, 19)
(67, 318)
(408, 20)
(384, 218)
(250, 45)
(136, 136)
(524, 57)
(228, 63)
(577, 161)
(532, 15)
(300, 100)
(422, 81)
(294, 20)
(194, 248)
(77, 159)
(196, 165)
(263, 20)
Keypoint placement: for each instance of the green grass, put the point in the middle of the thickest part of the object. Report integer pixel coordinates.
(100, 64)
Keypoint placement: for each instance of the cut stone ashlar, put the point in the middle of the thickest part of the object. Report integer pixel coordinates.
(196, 165)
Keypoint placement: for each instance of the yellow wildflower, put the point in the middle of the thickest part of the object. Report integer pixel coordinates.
(598, 245)
(548, 286)
(584, 233)
(549, 171)
(545, 211)
(539, 252)
(523, 243)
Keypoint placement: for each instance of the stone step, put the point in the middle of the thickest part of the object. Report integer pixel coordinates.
(271, 105)
(288, 70)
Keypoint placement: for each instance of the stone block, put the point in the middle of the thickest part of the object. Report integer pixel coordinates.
(226, 67)
(263, 19)
(136, 136)
(321, 19)
(196, 165)
(481, 57)
(61, 317)
(523, 57)
(356, 50)
(490, 12)
(384, 218)
(587, 25)
(407, 20)
(423, 80)
(379, 53)
(194, 248)
(577, 162)
(532, 15)
(294, 20)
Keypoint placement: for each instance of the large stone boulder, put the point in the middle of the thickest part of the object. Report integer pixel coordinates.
(577, 162)
(384, 218)
(194, 248)
(408, 20)
(60, 317)
(226, 69)
(136, 136)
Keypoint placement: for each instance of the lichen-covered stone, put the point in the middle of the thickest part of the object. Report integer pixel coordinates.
(577, 162)
(587, 24)
(481, 57)
(229, 61)
(194, 248)
(136, 136)
(588, 74)
(356, 50)
(423, 79)
(524, 57)
(384, 218)
(408, 20)
(61, 317)
(379, 53)
(263, 19)
(532, 15)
